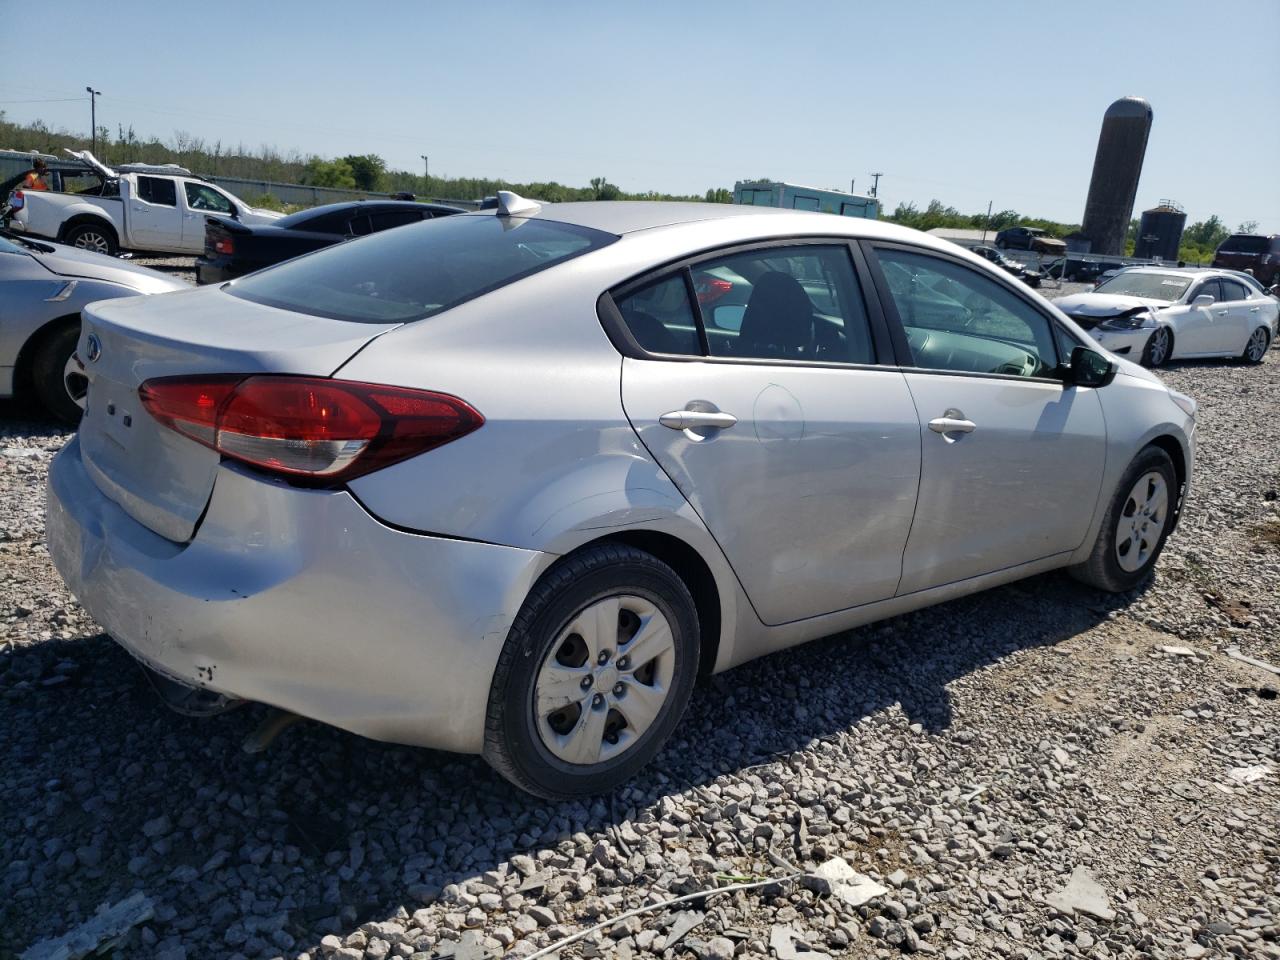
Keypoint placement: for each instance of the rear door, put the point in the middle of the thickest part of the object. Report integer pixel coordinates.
(1242, 316)
(155, 219)
(770, 412)
(1011, 457)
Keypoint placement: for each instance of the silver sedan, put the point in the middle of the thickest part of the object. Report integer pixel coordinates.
(507, 482)
(43, 287)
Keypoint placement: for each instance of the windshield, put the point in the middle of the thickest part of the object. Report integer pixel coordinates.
(1152, 286)
(418, 270)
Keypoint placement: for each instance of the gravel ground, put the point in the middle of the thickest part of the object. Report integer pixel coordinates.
(971, 758)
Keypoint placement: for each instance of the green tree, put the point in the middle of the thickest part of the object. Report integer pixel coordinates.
(1206, 234)
(604, 190)
(719, 195)
(1249, 226)
(367, 169)
(329, 173)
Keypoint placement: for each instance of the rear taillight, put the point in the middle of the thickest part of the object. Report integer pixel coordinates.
(224, 245)
(308, 426)
(710, 289)
(17, 200)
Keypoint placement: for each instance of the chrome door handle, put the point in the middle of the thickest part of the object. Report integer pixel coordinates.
(951, 424)
(1222, 313)
(1254, 309)
(691, 419)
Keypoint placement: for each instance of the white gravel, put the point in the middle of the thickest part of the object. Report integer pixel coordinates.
(987, 761)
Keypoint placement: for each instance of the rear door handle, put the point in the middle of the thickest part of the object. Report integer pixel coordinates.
(690, 419)
(953, 422)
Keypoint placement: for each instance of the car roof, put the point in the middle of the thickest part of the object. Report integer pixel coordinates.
(1189, 272)
(621, 217)
(375, 202)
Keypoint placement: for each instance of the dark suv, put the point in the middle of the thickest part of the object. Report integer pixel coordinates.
(1029, 238)
(1248, 251)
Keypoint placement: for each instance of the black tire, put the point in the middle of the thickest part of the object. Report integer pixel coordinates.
(512, 743)
(48, 372)
(95, 237)
(1102, 569)
(1266, 345)
(1149, 358)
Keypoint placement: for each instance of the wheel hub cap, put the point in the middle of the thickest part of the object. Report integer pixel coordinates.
(1142, 521)
(1257, 344)
(604, 680)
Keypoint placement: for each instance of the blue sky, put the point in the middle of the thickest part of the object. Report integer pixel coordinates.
(966, 101)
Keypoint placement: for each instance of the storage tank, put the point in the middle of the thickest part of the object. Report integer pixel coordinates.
(1122, 144)
(1160, 232)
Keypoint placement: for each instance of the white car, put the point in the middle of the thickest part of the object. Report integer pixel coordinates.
(1154, 314)
(146, 207)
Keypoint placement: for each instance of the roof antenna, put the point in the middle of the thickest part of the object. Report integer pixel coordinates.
(513, 205)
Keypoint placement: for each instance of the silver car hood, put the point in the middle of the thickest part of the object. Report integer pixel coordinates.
(86, 265)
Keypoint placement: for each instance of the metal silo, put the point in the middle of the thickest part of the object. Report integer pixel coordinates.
(1160, 232)
(1116, 167)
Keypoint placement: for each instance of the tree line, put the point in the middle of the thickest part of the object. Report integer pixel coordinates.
(369, 173)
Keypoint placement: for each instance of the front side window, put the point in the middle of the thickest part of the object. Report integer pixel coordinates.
(420, 270)
(201, 196)
(158, 190)
(1210, 288)
(957, 319)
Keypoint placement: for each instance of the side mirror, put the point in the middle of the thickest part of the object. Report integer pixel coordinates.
(1204, 300)
(1090, 369)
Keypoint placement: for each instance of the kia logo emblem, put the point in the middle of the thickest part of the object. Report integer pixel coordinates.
(92, 348)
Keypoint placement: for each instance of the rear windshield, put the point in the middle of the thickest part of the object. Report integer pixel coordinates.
(1245, 245)
(1154, 286)
(419, 270)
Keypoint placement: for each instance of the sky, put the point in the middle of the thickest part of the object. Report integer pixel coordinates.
(967, 102)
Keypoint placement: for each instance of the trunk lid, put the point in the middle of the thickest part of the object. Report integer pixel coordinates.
(156, 475)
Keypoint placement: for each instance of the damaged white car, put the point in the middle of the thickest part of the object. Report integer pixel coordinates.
(1154, 314)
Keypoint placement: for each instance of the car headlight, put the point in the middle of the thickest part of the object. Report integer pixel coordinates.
(1185, 403)
(1127, 321)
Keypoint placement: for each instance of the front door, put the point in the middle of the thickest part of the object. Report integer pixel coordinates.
(800, 455)
(1198, 329)
(201, 201)
(1011, 458)
(155, 222)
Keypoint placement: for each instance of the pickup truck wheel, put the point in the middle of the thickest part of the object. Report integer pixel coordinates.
(48, 373)
(90, 236)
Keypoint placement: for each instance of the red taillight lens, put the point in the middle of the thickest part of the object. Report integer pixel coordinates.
(710, 289)
(306, 426)
(224, 245)
(17, 200)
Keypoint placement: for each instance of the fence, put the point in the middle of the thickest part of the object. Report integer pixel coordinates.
(308, 196)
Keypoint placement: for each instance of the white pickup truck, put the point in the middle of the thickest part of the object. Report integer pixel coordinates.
(140, 207)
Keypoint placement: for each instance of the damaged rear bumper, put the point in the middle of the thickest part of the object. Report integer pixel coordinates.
(299, 599)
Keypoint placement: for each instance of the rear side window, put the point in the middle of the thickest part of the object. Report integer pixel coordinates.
(1233, 290)
(420, 270)
(661, 318)
(387, 219)
(158, 190)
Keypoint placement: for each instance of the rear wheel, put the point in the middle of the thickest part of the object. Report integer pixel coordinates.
(1159, 347)
(1136, 525)
(92, 236)
(595, 673)
(49, 369)
(1256, 348)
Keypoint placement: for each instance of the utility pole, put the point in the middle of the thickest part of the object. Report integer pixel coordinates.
(987, 226)
(93, 117)
(875, 187)
(426, 172)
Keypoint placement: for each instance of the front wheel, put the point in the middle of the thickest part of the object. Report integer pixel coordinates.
(49, 374)
(596, 672)
(1136, 525)
(1159, 347)
(1256, 348)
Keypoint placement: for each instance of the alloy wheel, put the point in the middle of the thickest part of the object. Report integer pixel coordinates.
(75, 381)
(1141, 522)
(1159, 346)
(604, 680)
(1257, 346)
(88, 240)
